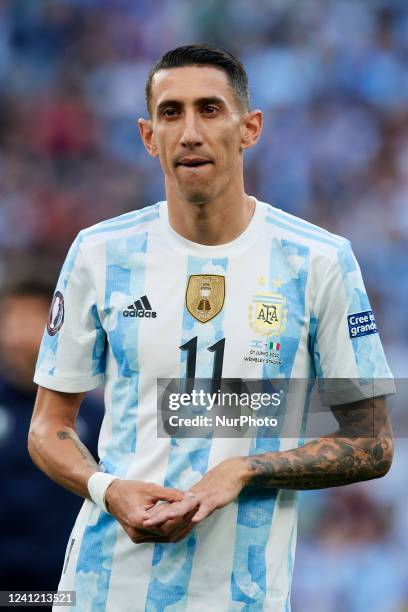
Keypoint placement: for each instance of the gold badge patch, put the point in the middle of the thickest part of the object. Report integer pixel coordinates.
(205, 296)
(268, 313)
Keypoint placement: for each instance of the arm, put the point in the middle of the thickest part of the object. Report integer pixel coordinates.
(53, 443)
(55, 448)
(360, 450)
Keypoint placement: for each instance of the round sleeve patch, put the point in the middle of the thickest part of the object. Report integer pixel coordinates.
(56, 314)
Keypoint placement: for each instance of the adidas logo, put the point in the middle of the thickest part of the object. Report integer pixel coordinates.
(140, 308)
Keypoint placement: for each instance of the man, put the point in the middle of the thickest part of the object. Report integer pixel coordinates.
(186, 288)
(25, 526)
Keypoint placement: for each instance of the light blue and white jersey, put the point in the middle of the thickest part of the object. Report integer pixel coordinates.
(284, 299)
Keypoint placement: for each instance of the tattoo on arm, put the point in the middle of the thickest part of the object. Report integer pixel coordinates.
(70, 435)
(358, 451)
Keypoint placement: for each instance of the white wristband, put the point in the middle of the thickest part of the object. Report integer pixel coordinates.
(97, 486)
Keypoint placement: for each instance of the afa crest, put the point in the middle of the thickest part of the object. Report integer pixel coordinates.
(205, 296)
(268, 314)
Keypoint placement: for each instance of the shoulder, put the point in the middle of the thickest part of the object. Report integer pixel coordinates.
(137, 220)
(290, 229)
(93, 241)
(124, 226)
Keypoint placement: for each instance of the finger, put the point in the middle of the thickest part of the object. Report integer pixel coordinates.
(173, 535)
(170, 527)
(148, 507)
(158, 515)
(189, 502)
(154, 508)
(171, 511)
(157, 519)
(140, 535)
(204, 510)
(186, 524)
(158, 507)
(167, 494)
(141, 532)
(181, 533)
(166, 539)
(182, 508)
(154, 539)
(157, 504)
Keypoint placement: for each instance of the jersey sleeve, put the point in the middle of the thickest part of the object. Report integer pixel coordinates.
(346, 349)
(72, 352)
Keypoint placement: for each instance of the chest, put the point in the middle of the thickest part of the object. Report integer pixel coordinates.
(239, 317)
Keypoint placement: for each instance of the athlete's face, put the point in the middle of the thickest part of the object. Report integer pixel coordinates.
(198, 131)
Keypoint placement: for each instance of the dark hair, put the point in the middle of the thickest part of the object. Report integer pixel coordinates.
(204, 55)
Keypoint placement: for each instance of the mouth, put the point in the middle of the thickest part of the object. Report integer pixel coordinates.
(193, 162)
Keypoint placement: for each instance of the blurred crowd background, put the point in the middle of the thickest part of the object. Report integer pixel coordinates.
(332, 79)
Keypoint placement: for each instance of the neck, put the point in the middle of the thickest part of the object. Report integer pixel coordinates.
(218, 221)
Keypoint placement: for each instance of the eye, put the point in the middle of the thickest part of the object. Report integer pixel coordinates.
(169, 112)
(210, 109)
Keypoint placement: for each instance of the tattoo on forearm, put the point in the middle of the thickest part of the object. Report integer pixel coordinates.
(329, 462)
(68, 435)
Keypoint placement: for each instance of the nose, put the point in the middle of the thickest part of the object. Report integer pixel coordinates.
(191, 136)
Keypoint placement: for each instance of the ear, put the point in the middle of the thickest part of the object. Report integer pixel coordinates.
(251, 128)
(147, 136)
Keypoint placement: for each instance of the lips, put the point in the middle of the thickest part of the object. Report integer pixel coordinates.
(193, 161)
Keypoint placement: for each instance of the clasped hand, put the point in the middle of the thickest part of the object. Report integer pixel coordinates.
(151, 513)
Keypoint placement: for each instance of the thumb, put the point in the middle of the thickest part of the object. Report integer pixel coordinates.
(167, 494)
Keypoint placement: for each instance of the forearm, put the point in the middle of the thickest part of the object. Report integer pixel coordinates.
(55, 448)
(327, 462)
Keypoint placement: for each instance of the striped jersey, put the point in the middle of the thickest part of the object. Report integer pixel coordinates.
(285, 299)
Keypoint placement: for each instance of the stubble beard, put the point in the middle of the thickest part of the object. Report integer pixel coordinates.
(197, 198)
(197, 195)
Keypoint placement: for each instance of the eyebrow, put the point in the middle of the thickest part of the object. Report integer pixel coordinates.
(198, 102)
